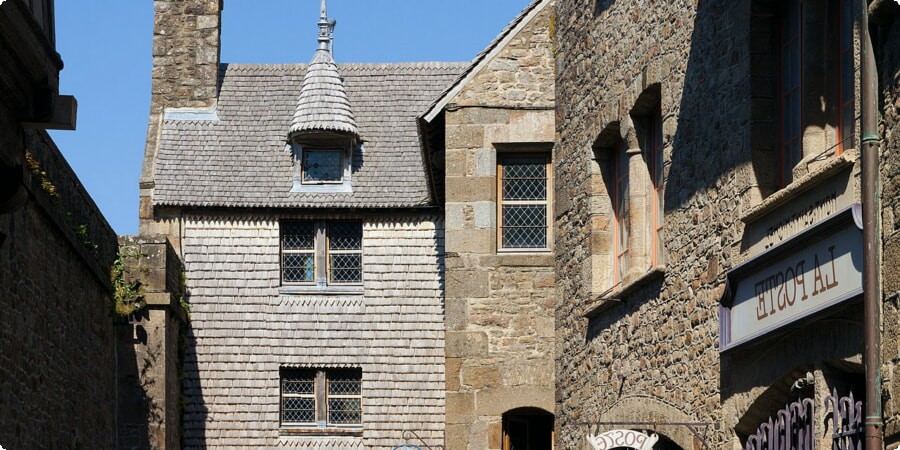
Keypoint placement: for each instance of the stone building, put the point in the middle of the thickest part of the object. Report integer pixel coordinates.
(497, 142)
(57, 354)
(300, 201)
(709, 252)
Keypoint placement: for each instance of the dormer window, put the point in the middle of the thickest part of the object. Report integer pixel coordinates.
(322, 166)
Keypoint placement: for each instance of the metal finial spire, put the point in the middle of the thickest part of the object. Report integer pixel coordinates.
(326, 29)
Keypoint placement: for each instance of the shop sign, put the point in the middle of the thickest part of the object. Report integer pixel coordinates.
(819, 268)
(622, 439)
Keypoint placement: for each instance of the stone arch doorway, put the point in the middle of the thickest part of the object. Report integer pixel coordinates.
(527, 429)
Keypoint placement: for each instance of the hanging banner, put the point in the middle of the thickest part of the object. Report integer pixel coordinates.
(622, 439)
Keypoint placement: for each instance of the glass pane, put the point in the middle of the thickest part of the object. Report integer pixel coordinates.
(345, 236)
(298, 267)
(524, 216)
(524, 226)
(847, 131)
(524, 178)
(344, 411)
(298, 235)
(298, 410)
(346, 268)
(525, 189)
(343, 382)
(322, 165)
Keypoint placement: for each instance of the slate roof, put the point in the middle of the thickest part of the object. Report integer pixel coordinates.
(240, 160)
(323, 104)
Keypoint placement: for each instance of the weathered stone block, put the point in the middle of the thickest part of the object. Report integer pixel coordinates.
(495, 402)
(460, 408)
(469, 189)
(464, 136)
(462, 344)
(471, 241)
(481, 377)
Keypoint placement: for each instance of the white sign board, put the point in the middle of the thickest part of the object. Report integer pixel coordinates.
(824, 269)
(622, 438)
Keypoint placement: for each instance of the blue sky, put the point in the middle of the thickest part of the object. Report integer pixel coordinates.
(105, 45)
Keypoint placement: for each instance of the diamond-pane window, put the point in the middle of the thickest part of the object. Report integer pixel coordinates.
(321, 253)
(316, 397)
(323, 166)
(344, 252)
(298, 252)
(524, 202)
(298, 398)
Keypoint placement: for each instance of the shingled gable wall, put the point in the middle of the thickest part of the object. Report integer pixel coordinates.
(499, 315)
(244, 330)
(243, 327)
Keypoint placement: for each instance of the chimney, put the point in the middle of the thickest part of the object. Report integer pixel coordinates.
(186, 48)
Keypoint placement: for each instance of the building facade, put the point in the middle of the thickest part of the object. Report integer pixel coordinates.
(497, 148)
(299, 199)
(57, 341)
(709, 246)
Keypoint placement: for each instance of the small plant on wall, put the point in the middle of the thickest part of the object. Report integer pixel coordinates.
(127, 294)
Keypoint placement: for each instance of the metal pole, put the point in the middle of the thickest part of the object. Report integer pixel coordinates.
(874, 423)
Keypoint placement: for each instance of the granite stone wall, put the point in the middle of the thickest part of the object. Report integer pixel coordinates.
(887, 51)
(645, 349)
(57, 353)
(499, 304)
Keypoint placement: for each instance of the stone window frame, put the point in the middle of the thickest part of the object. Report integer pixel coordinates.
(322, 253)
(532, 152)
(820, 111)
(628, 138)
(321, 379)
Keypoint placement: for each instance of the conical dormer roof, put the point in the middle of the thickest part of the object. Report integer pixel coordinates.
(323, 104)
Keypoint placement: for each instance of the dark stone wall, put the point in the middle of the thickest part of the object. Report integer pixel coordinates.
(57, 360)
(653, 356)
(887, 52)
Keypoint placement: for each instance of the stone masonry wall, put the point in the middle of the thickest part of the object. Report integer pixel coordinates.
(57, 354)
(243, 330)
(186, 50)
(521, 75)
(653, 357)
(499, 306)
(887, 44)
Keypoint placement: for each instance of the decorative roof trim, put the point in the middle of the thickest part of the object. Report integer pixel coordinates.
(493, 49)
(191, 114)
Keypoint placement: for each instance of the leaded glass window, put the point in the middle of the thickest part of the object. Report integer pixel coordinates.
(524, 201)
(298, 397)
(321, 253)
(330, 398)
(298, 252)
(344, 252)
(322, 166)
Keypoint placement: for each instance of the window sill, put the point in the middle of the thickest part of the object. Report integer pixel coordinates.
(321, 290)
(526, 259)
(317, 432)
(614, 296)
(801, 185)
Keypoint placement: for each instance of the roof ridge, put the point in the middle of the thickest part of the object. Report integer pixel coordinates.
(352, 66)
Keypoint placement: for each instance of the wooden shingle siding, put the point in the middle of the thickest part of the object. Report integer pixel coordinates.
(243, 331)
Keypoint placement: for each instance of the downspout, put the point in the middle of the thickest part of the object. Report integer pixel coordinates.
(870, 142)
